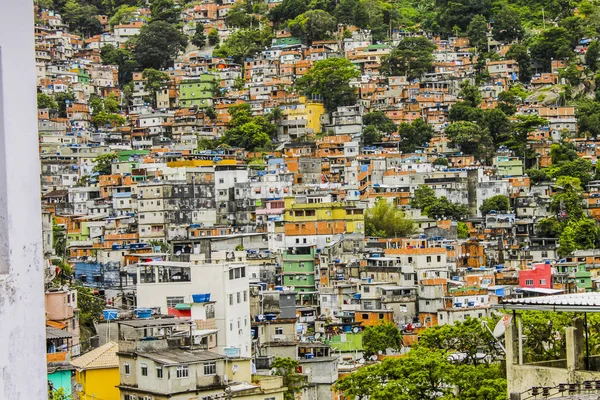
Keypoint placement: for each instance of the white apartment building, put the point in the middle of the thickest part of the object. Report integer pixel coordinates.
(166, 283)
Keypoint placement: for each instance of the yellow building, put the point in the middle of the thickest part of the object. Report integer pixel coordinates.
(97, 373)
(313, 112)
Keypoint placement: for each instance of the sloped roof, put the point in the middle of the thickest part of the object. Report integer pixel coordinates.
(104, 356)
(53, 333)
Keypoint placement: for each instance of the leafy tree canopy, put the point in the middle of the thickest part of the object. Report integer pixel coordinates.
(330, 80)
(498, 203)
(158, 44)
(384, 220)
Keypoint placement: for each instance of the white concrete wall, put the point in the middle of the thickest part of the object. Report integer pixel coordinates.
(22, 336)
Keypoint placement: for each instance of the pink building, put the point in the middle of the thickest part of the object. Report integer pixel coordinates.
(62, 313)
(539, 276)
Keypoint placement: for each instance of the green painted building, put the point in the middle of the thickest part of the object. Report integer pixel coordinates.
(298, 268)
(198, 91)
(583, 278)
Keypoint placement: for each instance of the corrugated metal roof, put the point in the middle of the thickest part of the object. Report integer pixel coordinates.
(574, 302)
(53, 333)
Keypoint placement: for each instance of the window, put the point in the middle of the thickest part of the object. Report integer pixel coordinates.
(428, 259)
(439, 258)
(245, 296)
(237, 273)
(173, 301)
(365, 316)
(243, 272)
(279, 331)
(183, 371)
(366, 289)
(529, 282)
(380, 316)
(231, 274)
(127, 368)
(542, 281)
(238, 297)
(144, 369)
(231, 299)
(159, 372)
(210, 368)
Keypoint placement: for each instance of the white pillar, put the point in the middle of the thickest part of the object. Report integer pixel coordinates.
(22, 332)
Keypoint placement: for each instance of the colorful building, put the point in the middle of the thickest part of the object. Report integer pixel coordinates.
(97, 373)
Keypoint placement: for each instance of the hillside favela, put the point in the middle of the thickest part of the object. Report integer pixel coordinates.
(299, 199)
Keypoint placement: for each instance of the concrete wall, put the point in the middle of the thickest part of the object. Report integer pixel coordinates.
(22, 338)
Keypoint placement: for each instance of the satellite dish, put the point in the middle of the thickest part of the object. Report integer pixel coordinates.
(501, 326)
(317, 335)
(65, 288)
(380, 352)
(235, 368)
(292, 288)
(197, 340)
(373, 357)
(361, 361)
(78, 387)
(308, 370)
(355, 329)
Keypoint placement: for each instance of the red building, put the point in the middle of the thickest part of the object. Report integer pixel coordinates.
(539, 276)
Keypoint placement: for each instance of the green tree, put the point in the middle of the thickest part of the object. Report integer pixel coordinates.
(466, 338)
(249, 136)
(380, 120)
(122, 15)
(521, 128)
(90, 306)
(571, 74)
(567, 202)
(444, 208)
(441, 161)
(471, 139)
(456, 15)
(62, 99)
(288, 10)
(103, 163)
(330, 80)
(286, 368)
(498, 203)
(477, 33)
(507, 25)
(199, 38)
(45, 101)
(592, 56)
(537, 176)
(464, 111)
(371, 135)
(381, 337)
(384, 220)
(155, 81)
(423, 197)
(497, 124)
(111, 103)
(124, 59)
(578, 168)
(313, 25)
(104, 118)
(470, 94)
(561, 152)
(412, 57)
(59, 394)
(588, 117)
(59, 239)
(421, 374)
(81, 17)
(240, 15)
(553, 43)
(417, 133)
(213, 37)
(519, 53)
(157, 45)
(580, 234)
(462, 230)
(165, 11)
(548, 228)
